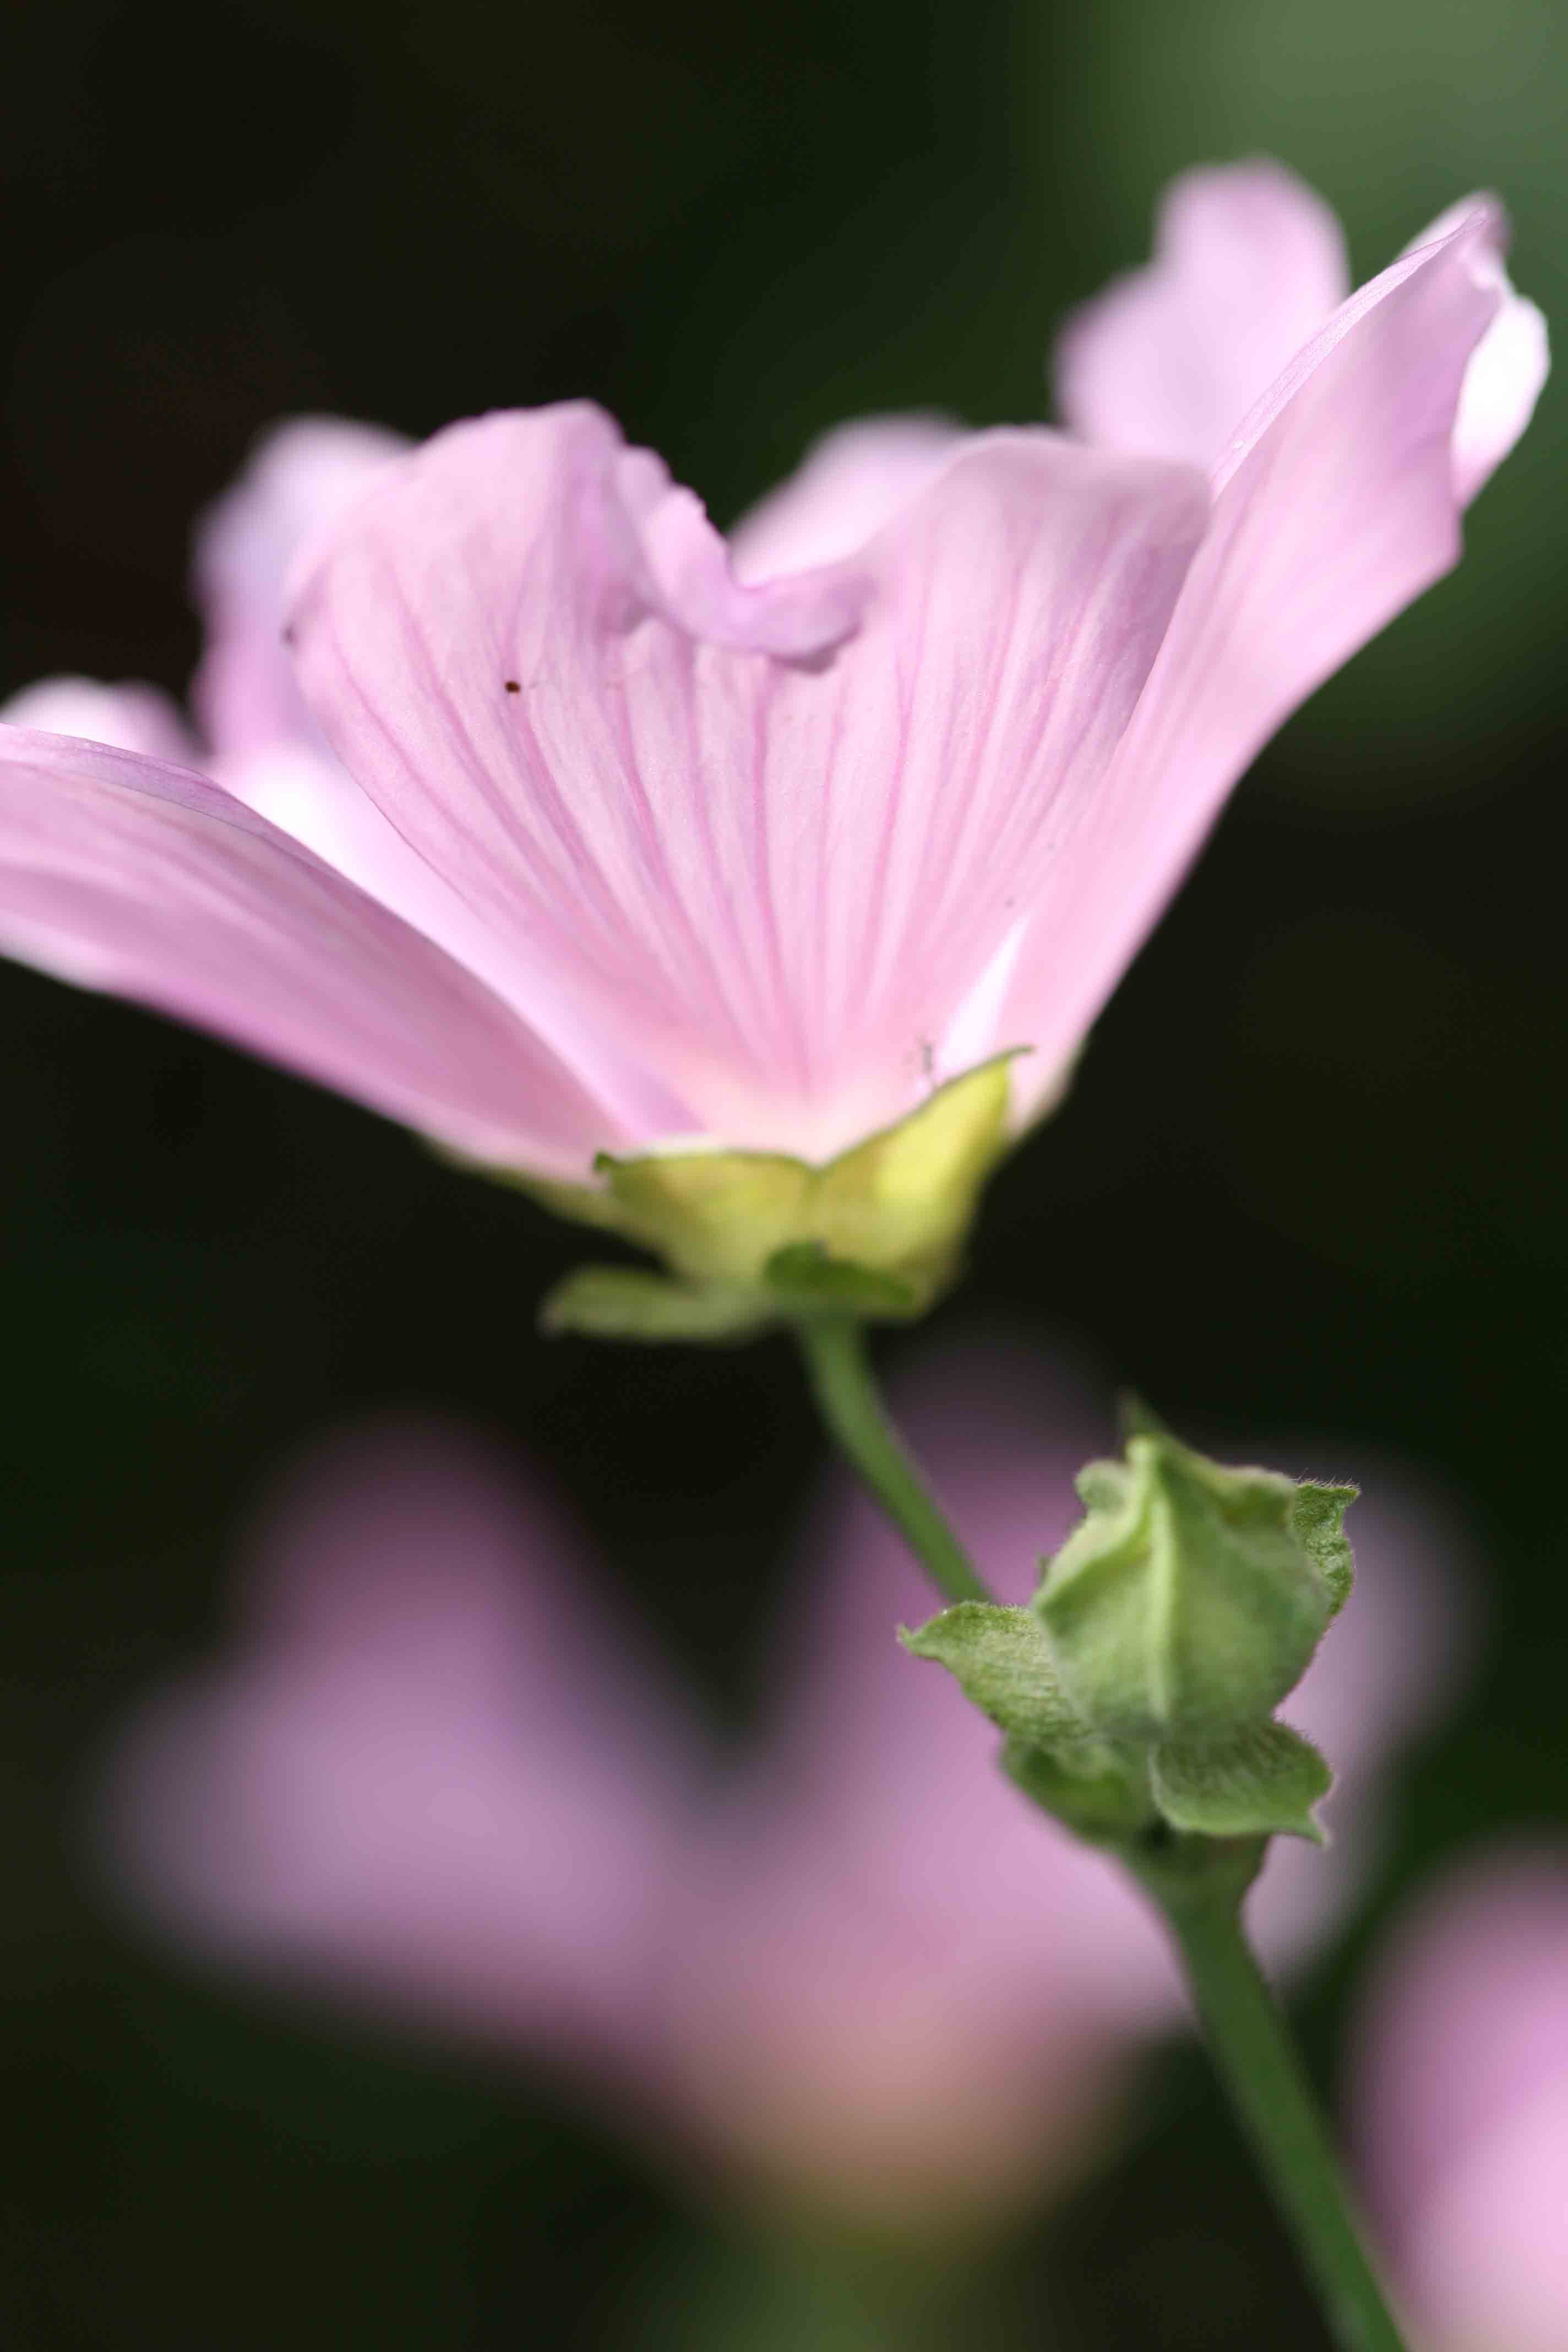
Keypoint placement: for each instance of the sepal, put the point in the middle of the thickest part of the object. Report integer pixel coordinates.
(1319, 1523)
(1259, 1782)
(877, 1234)
(1000, 1658)
(1111, 1807)
(622, 1302)
(804, 1280)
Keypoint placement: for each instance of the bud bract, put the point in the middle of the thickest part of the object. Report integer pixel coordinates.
(1192, 1596)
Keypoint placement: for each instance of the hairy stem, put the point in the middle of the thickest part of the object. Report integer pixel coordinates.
(845, 1389)
(1258, 2062)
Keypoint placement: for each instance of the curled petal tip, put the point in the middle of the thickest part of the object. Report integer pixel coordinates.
(1501, 385)
(1512, 359)
(1482, 212)
(688, 578)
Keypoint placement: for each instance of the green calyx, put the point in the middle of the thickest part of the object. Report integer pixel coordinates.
(755, 1238)
(1137, 1691)
(1112, 1791)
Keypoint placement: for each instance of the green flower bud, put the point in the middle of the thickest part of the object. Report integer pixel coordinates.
(1192, 1596)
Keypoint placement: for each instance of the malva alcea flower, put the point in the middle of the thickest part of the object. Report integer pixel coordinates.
(703, 864)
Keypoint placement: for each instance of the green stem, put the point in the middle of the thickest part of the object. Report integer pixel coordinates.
(1249, 2038)
(1251, 2046)
(828, 2291)
(845, 1389)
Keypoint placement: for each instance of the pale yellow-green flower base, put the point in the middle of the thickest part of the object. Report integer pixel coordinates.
(752, 1238)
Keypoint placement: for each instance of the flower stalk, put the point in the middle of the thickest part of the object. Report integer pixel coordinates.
(1196, 1882)
(845, 1387)
(1258, 2062)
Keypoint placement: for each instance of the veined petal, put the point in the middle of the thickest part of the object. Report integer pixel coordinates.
(133, 717)
(1335, 506)
(269, 751)
(301, 476)
(850, 483)
(1248, 265)
(125, 874)
(304, 790)
(778, 878)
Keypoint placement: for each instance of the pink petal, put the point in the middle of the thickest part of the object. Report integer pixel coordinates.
(269, 751)
(128, 875)
(777, 879)
(1504, 380)
(1460, 2079)
(132, 716)
(678, 566)
(1335, 507)
(1507, 367)
(1248, 265)
(301, 789)
(434, 1775)
(303, 476)
(850, 483)
(309, 794)
(1466, 2014)
(1487, 2262)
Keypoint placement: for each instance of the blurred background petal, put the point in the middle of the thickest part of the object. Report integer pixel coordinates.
(1457, 2079)
(436, 1773)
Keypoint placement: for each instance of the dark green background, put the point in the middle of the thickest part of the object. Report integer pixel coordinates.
(1314, 1172)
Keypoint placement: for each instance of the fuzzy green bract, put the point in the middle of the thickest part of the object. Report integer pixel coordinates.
(1263, 1779)
(1137, 1691)
(1001, 1657)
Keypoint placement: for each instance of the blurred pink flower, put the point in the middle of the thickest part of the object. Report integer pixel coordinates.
(849, 1967)
(1459, 2086)
(639, 836)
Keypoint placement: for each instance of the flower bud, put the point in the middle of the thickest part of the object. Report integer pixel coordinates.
(1192, 1596)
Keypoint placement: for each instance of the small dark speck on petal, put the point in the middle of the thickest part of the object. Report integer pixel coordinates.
(288, 634)
(514, 685)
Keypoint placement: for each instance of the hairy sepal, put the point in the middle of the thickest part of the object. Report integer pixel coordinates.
(877, 1234)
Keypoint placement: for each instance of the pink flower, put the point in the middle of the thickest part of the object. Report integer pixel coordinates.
(638, 837)
(1460, 2088)
(850, 1967)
